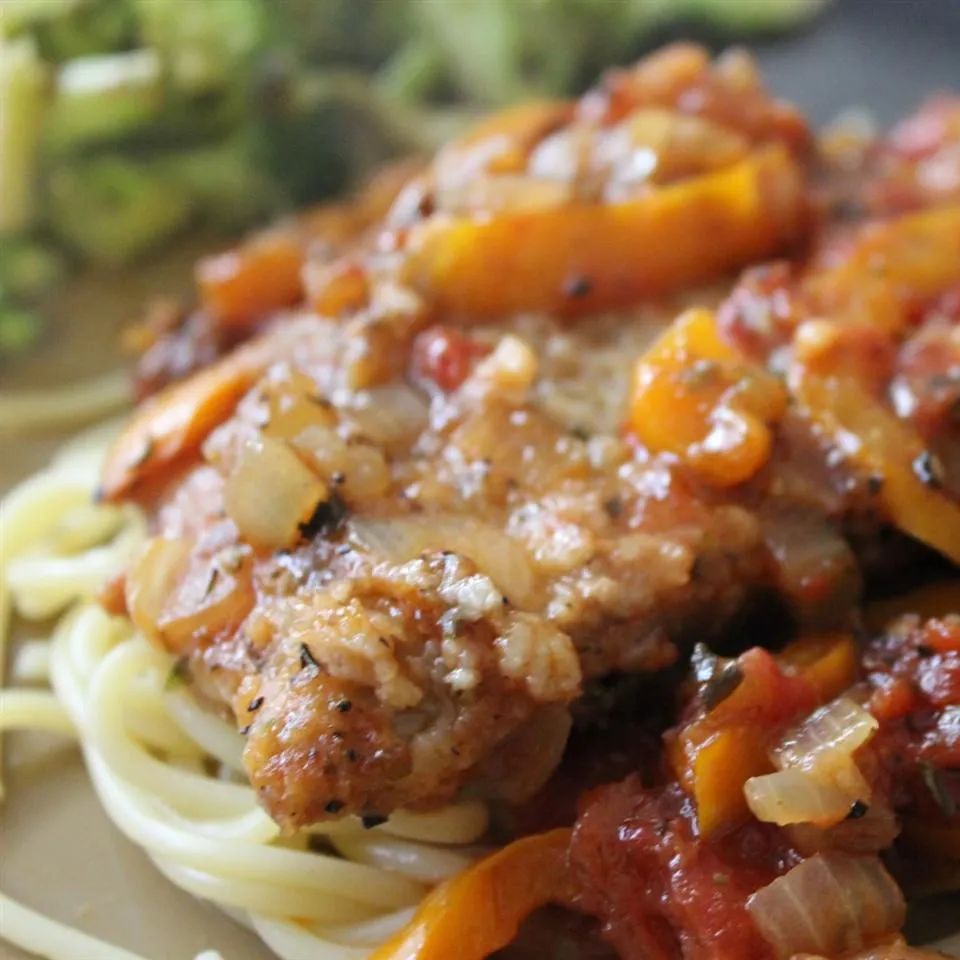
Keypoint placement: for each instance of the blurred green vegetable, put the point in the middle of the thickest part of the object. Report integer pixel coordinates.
(65, 29)
(223, 183)
(110, 209)
(22, 104)
(318, 128)
(133, 119)
(19, 329)
(103, 98)
(202, 44)
(28, 269)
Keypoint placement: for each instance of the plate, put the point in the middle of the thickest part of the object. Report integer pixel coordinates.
(59, 852)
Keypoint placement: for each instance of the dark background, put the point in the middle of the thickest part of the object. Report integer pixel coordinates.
(885, 55)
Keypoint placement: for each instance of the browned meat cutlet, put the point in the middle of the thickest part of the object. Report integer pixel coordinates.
(413, 537)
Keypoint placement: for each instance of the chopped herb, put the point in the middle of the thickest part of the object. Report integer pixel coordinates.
(577, 286)
(212, 578)
(858, 809)
(334, 806)
(581, 433)
(255, 704)
(352, 755)
(371, 820)
(344, 706)
(923, 651)
(327, 516)
(928, 470)
(874, 484)
(307, 659)
(614, 507)
(723, 682)
(721, 879)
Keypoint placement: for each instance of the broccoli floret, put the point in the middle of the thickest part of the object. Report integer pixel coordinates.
(204, 45)
(65, 29)
(104, 98)
(502, 50)
(28, 269)
(319, 131)
(23, 101)
(19, 329)
(223, 182)
(110, 209)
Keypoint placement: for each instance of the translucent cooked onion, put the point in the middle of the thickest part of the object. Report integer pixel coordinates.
(828, 905)
(818, 781)
(501, 558)
(832, 733)
(270, 493)
(795, 796)
(152, 579)
(391, 415)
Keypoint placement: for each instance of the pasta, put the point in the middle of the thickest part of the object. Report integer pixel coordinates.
(166, 771)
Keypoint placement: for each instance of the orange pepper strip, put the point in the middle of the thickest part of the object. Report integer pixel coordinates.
(828, 387)
(829, 662)
(173, 423)
(479, 911)
(583, 257)
(913, 256)
(720, 768)
(263, 275)
(693, 395)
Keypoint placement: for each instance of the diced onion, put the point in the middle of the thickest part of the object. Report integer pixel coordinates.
(152, 579)
(828, 905)
(270, 492)
(818, 780)
(794, 796)
(830, 734)
(495, 554)
(388, 415)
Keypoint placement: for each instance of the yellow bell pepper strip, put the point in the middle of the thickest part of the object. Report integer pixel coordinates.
(828, 662)
(695, 396)
(830, 379)
(171, 425)
(479, 911)
(241, 285)
(888, 267)
(585, 256)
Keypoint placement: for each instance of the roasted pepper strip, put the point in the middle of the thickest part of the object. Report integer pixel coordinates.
(889, 266)
(583, 256)
(172, 424)
(479, 911)
(695, 396)
(263, 275)
(830, 380)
